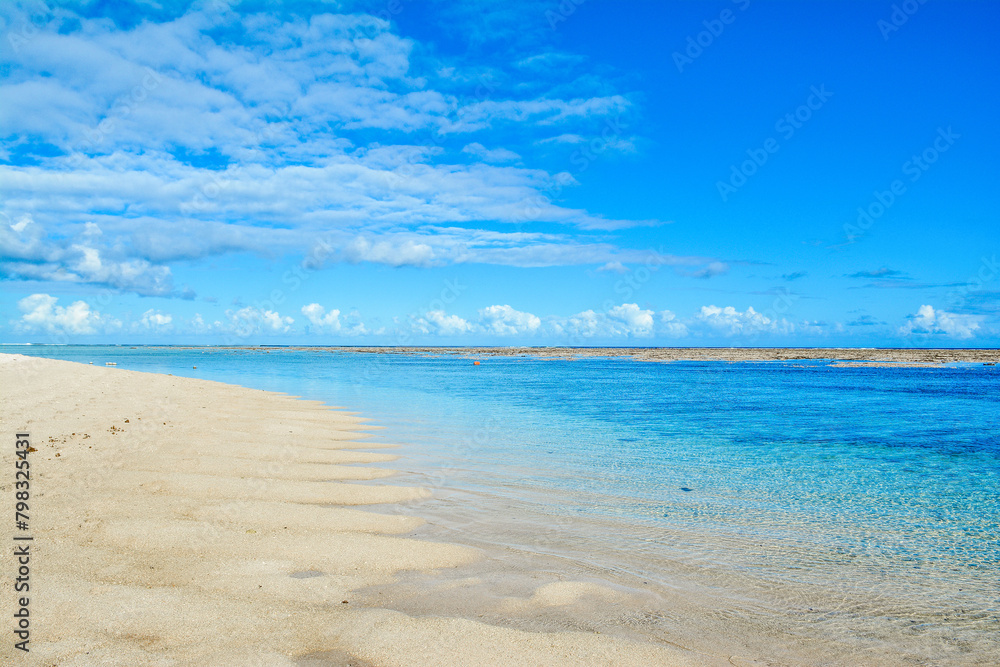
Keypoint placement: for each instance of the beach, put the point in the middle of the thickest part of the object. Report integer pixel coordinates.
(551, 333)
(184, 521)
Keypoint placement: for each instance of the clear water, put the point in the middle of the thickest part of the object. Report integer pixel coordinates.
(858, 506)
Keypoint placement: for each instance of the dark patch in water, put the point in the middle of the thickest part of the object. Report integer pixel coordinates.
(684, 488)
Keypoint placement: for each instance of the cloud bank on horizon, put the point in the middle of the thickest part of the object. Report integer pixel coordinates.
(226, 171)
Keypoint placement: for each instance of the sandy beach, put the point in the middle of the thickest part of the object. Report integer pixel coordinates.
(187, 522)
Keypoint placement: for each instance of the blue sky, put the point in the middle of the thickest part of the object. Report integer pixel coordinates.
(542, 173)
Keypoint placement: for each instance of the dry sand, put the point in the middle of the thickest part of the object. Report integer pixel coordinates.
(186, 522)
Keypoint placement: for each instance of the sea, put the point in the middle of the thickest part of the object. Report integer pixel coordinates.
(792, 511)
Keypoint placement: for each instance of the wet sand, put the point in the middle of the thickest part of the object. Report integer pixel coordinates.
(185, 522)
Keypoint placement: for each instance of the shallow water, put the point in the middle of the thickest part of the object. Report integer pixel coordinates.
(857, 508)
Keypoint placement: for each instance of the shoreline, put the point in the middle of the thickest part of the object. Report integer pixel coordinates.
(187, 520)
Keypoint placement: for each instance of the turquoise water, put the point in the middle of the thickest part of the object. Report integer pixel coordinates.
(858, 503)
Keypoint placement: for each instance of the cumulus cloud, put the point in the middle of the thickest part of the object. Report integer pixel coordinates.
(353, 325)
(502, 320)
(85, 264)
(29, 254)
(927, 320)
(440, 323)
(587, 324)
(505, 321)
(198, 325)
(41, 312)
(155, 320)
(320, 319)
(672, 327)
(252, 320)
(497, 320)
(625, 320)
(635, 320)
(402, 253)
(731, 322)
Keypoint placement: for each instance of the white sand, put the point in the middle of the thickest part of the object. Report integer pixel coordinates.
(187, 522)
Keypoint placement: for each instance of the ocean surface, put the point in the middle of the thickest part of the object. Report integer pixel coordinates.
(858, 508)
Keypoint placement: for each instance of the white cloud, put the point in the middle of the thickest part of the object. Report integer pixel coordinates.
(275, 322)
(198, 325)
(481, 115)
(547, 62)
(154, 319)
(491, 155)
(566, 138)
(186, 144)
(505, 321)
(818, 328)
(20, 225)
(440, 323)
(670, 326)
(710, 270)
(40, 312)
(731, 322)
(319, 318)
(599, 143)
(252, 320)
(930, 321)
(401, 253)
(353, 325)
(280, 103)
(618, 144)
(627, 320)
(615, 267)
(634, 320)
(28, 254)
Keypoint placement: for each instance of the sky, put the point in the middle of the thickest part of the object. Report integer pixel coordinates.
(421, 172)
